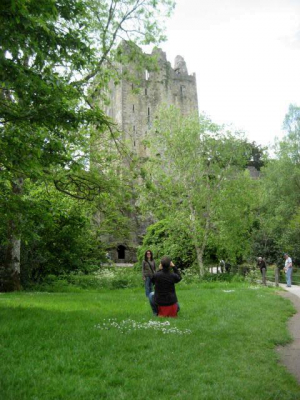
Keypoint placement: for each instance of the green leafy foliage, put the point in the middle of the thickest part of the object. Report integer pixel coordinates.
(49, 54)
(58, 235)
(196, 180)
(278, 221)
(104, 278)
(165, 238)
(235, 215)
(61, 234)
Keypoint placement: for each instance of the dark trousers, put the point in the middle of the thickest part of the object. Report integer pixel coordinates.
(264, 275)
(148, 286)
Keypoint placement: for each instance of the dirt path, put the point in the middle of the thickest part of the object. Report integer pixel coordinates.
(290, 354)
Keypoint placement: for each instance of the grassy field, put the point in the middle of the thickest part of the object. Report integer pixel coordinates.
(106, 345)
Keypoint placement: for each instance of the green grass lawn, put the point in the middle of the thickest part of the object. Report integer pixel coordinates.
(222, 346)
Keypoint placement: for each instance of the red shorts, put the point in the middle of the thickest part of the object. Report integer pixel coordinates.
(168, 311)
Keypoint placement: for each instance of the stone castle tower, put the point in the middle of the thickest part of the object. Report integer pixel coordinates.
(134, 108)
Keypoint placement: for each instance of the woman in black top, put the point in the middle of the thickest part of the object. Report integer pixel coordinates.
(148, 270)
(164, 281)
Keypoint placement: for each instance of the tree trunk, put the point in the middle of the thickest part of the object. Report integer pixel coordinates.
(199, 253)
(199, 249)
(10, 271)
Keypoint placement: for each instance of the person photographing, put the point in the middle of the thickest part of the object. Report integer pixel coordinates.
(163, 300)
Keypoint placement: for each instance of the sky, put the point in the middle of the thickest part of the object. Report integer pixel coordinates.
(246, 56)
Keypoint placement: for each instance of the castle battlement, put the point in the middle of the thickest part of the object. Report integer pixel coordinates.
(133, 107)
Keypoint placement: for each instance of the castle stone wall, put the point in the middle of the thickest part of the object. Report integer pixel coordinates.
(134, 109)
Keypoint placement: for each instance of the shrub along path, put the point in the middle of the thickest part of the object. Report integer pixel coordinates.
(290, 353)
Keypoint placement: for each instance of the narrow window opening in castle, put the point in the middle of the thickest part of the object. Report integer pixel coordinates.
(121, 252)
(132, 107)
(148, 115)
(134, 137)
(146, 92)
(132, 86)
(182, 90)
(146, 75)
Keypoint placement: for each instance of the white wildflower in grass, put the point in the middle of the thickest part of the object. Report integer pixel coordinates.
(129, 325)
(105, 273)
(228, 291)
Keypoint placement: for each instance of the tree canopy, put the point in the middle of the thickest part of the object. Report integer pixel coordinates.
(196, 179)
(50, 51)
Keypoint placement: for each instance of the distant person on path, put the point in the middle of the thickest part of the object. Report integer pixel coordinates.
(263, 269)
(164, 301)
(108, 258)
(148, 270)
(222, 266)
(288, 269)
(227, 267)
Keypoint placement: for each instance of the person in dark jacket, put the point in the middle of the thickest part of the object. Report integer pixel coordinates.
(148, 270)
(164, 281)
(263, 269)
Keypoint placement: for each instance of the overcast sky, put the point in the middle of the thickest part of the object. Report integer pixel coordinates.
(246, 56)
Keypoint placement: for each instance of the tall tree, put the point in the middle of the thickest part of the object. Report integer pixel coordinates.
(235, 217)
(280, 193)
(192, 163)
(49, 52)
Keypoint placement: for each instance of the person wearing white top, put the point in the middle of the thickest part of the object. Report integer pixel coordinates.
(288, 269)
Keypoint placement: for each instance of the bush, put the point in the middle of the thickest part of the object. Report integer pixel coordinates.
(191, 275)
(237, 278)
(53, 284)
(108, 278)
(244, 269)
(253, 275)
(165, 238)
(121, 278)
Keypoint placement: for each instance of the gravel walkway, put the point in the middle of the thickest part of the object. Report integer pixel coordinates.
(290, 354)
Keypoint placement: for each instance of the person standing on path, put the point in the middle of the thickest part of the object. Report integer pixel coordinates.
(222, 266)
(148, 271)
(288, 269)
(263, 269)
